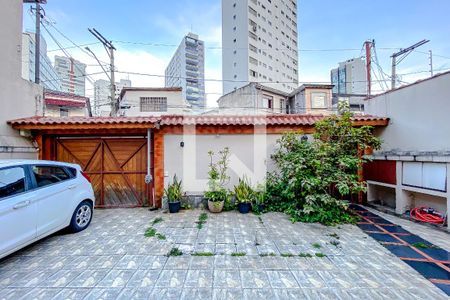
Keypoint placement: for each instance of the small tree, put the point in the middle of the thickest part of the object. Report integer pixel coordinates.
(310, 173)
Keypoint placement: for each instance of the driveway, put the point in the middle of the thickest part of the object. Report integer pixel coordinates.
(113, 259)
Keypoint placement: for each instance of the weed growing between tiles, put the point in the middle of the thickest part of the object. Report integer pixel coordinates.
(151, 231)
(174, 252)
(238, 254)
(202, 254)
(202, 220)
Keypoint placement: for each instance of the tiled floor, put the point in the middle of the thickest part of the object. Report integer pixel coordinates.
(113, 259)
(431, 261)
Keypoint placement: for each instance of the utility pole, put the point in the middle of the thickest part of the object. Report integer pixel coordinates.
(431, 63)
(110, 50)
(37, 42)
(401, 55)
(369, 45)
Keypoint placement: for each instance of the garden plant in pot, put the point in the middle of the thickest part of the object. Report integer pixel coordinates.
(259, 199)
(174, 193)
(217, 194)
(244, 195)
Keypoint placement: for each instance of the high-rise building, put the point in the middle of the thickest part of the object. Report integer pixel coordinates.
(48, 76)
(187, 70)
(260, 44)
(102, 95)
(350, 83)
(73, 75)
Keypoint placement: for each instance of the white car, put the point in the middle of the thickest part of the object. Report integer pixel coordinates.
(38, 198)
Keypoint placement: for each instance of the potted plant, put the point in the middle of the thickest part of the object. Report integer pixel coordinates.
(174, 193)
(244, 195)
(217, 194)
(259, 199)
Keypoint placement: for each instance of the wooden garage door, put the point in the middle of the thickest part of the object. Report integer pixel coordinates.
(117, 168)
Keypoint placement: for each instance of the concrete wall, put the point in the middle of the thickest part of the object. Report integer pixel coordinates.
(250, 156)
(250, 99)
(419, 131)
(175, 102)
(18, 97)
(301, 102)
(419, 116)
(54, 111)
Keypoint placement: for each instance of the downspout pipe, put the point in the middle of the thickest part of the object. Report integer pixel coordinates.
(149, 177)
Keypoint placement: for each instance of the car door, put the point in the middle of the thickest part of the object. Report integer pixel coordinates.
(54, 206)
(17, 209)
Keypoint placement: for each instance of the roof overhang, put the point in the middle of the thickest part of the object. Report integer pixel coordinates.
(130, 123)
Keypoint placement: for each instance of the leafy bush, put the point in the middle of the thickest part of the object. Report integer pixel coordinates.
(217, 177)
(312, 176)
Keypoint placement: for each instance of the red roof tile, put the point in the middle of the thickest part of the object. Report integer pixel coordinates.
(83, 120)
(299, 120)
(284, 119)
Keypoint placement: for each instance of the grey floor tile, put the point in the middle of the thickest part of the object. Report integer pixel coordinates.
(171, 279)
(229, 279)
(88, 278)
(282, 280)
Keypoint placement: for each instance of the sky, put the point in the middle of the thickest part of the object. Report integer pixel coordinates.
(146, 34)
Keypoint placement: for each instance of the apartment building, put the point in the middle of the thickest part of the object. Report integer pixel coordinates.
(187, 70)
(350, 83)
(102, 95)
(260, 44)
(49, 79)
(73, 75)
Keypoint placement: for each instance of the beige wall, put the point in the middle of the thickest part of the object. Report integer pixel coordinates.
(175, 102)
(250, 156)
(420, 116)
(54, 111)
(18, 97)
(308, 104)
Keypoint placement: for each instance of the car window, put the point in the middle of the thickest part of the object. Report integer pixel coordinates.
(46, 175)
(12, 181)
(72, 171)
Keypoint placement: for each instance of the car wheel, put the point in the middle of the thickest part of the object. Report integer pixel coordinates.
(81, 217)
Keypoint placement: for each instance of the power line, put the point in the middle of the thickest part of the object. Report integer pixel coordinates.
(154, 44)
(73, 47)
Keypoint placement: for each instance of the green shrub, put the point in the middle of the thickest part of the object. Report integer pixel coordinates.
(313, 177)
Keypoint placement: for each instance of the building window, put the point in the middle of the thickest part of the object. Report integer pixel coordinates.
(253, 73)
(318, 100)
(281, 105)
(253, 60)
(63, 112)
(267, 102)
(153, 104)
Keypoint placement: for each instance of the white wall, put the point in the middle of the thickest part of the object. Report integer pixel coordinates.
(420, 116)
(175, 102)
(18, 97)
(250, 156)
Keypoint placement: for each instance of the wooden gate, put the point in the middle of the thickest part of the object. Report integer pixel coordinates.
(116, 166)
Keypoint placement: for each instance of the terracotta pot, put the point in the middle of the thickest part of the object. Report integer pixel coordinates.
(215, 207)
